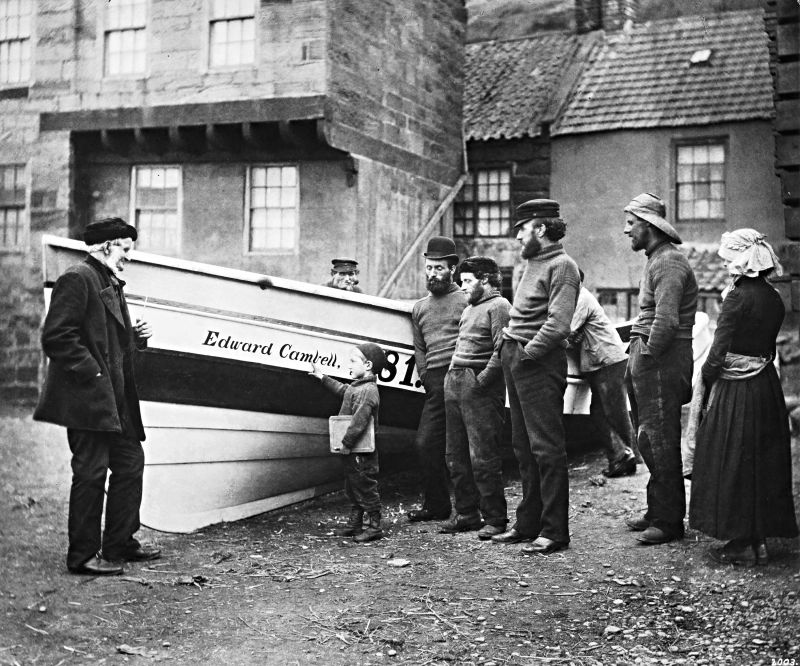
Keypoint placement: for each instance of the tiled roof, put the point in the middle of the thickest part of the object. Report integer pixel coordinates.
(708, 268)
(510, 84)
(643, 78)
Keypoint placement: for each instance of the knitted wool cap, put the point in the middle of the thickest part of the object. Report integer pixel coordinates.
(374, 354)
(109, 228)
(479, 265)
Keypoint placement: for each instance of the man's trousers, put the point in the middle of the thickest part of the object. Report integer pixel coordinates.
(474, 429)
(536, 396)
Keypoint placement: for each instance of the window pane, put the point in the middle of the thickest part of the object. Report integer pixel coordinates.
(273, 208)
(156, 197)
(491, 190)
(700, 181)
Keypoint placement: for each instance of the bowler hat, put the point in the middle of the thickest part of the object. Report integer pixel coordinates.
(652, 209)
(344, 265)
(106, 229)
(441, 247)
(536, 208)
(479, 265)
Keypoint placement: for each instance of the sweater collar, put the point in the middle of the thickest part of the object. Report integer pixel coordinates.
(658, 247)
(366, 379)
(488, 297)
(549, 252)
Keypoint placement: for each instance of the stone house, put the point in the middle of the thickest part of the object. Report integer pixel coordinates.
(265, 135)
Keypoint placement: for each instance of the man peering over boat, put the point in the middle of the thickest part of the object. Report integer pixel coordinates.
(344, 275)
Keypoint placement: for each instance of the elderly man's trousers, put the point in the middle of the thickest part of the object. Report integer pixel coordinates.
(609, 410)
(94, 454)
(536, 397)
(657, 387)
(474, 428)
(431, 444)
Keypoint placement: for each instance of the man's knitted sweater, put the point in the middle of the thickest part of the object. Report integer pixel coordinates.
(479, 336)
(545, 302)
(667, 299)
(435, 323)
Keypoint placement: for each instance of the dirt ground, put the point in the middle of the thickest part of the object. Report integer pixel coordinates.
(281, 589)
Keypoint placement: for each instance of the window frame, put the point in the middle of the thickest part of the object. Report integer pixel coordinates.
(30, 42)
(210, 20)
(474, 202)
(23, 208)
(247, 211)
(178, 205)
(105, 30)
(677, 144)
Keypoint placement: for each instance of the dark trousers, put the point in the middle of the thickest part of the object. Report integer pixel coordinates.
(657, 388)
(94, 454)
(431, 445)
(536, 396)
(609, 410)
(361, 481)
(474, 427)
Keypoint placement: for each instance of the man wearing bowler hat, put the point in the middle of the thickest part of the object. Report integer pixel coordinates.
(91, 390)
(659, 372)
(344, 275)
(534, 360)
(435, 320)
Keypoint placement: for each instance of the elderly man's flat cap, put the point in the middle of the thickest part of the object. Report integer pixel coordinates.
(536, 208)
(109, 228)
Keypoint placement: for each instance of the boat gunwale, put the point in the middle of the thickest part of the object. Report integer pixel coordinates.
(261, 280)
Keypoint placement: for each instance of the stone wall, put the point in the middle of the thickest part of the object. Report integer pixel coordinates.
(390, 74)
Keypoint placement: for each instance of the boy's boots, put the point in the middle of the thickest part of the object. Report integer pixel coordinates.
(354, 524)
(373, 530)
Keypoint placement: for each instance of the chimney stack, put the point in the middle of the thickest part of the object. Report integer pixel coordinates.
(608, 15)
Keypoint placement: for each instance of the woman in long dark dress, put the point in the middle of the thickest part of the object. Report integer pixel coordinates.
(741, 480)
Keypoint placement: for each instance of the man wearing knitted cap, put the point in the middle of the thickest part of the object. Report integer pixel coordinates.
(474, 400)
(659, 372)
(91, 390)
(434, 322)
(535, 367)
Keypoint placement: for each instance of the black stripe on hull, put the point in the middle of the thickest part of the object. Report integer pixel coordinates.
(208, 381)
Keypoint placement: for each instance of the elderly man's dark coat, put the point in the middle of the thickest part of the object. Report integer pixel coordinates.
(88, 331)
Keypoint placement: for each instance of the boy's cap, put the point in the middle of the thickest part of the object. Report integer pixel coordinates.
(374, 354)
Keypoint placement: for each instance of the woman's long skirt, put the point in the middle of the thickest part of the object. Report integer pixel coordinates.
(742, 475)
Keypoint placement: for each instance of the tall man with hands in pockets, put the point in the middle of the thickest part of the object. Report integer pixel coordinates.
(91, 390)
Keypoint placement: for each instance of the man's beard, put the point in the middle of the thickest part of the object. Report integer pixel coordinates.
(439, 286)
(477, 293)
(531, 248)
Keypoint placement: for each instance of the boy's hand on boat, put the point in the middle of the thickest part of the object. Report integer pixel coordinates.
(316, 371)
(143, 329)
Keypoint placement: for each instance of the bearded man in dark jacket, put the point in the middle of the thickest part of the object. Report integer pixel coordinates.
(91, 390)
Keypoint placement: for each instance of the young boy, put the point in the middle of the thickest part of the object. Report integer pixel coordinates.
(361, 401)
